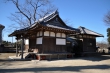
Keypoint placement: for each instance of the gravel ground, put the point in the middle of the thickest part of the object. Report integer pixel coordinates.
(97, 64)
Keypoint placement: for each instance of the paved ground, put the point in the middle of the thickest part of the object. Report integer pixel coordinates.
(97, 64)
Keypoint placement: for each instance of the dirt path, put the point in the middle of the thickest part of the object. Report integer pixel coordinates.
(98, 64)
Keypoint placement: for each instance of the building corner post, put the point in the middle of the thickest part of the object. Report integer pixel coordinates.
(16, 47)
(22, 46)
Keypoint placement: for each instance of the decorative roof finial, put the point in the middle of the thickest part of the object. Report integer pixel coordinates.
(57, 11)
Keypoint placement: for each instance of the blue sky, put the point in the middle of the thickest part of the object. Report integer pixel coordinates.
(86, 13)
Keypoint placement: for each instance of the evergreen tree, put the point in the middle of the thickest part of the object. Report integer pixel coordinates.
(108, 35)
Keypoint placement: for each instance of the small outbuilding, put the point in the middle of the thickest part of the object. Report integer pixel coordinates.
(86, 40)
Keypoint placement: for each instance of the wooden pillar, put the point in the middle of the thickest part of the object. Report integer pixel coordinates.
(16, 47)
(55, 43)
(22, 46)
(43, 41)
(66, 40)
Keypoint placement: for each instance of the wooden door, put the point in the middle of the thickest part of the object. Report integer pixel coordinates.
(49, 45)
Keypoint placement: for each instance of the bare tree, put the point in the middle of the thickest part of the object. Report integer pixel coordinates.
(107, 21)
(102, 45)
(68, 22)
(107, 18)
(29, 11)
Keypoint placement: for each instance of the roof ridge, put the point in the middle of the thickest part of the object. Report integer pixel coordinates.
(82, 29)
(90, 30)
(53, 13)
(45, 17)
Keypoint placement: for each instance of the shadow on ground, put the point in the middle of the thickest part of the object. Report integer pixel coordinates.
(95, 58)
(89, 58)
(66, 68)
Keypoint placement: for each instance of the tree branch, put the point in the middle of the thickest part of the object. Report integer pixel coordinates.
(30, 11)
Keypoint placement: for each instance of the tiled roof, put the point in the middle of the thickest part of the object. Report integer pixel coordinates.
(45, 19)
(84, 30)
(49, 17)
(59, 27)
(45, 22)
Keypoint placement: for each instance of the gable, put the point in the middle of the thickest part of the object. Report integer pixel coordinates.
(57, 22)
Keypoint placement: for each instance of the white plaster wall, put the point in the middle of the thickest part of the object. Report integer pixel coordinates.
(60, 41)
(37, 33)
(46, 33)
(39, 40)
(63, 35)
(58, 34)
(40, 33)
(26, 41)
(52, 34)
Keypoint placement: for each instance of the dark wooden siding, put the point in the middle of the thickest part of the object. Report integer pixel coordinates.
(89, 45)
(80, 46)
(32, 43)
(39, 47)
(61, 48)
(49, 44)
